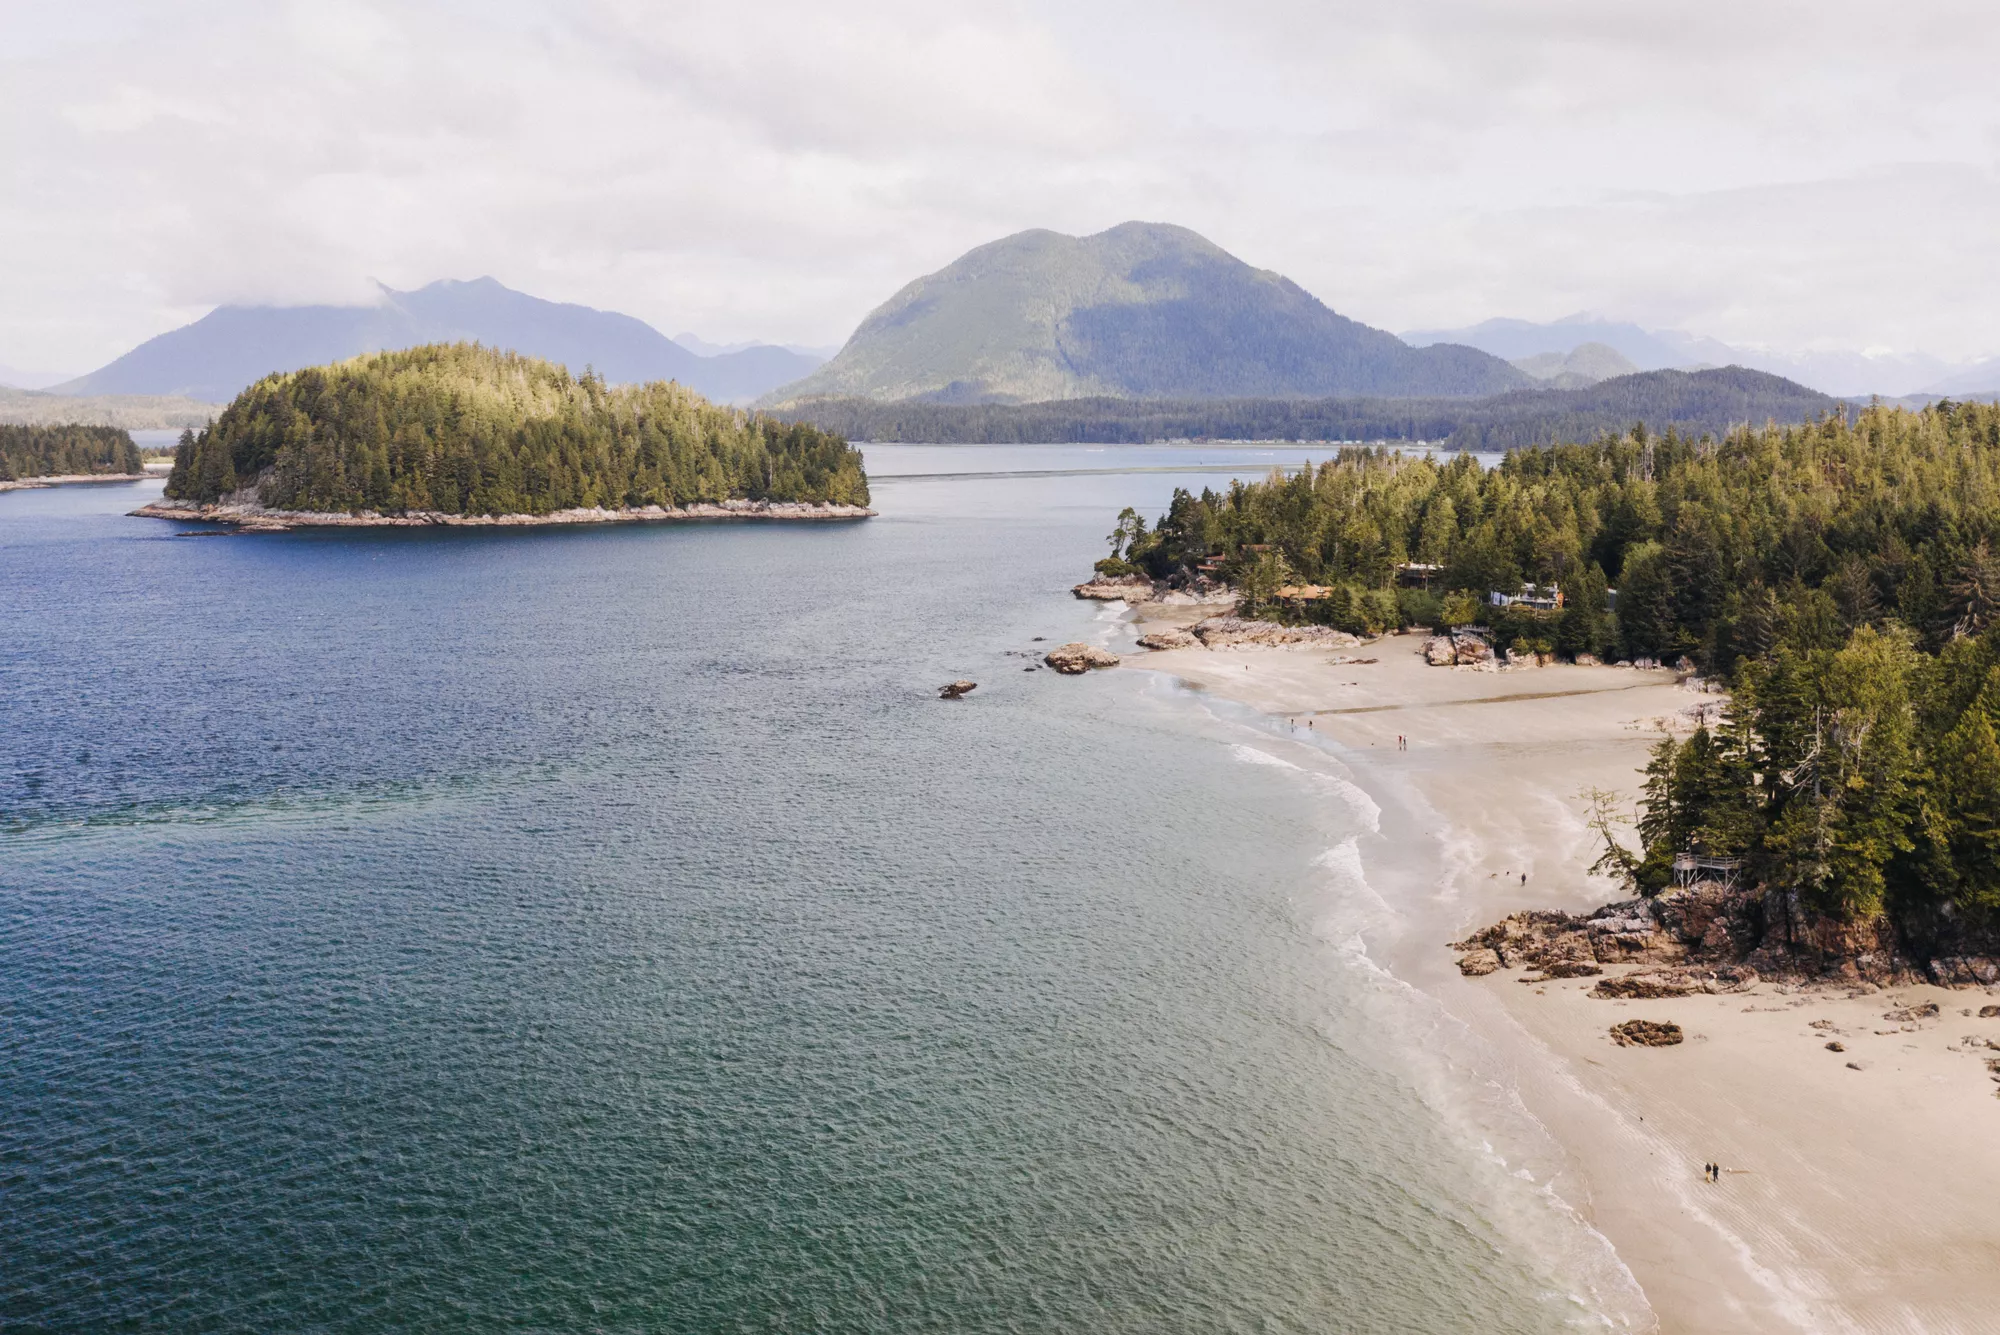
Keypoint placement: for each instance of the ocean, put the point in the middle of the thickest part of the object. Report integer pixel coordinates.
(607, 929)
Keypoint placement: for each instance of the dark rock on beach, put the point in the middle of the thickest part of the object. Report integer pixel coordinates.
(957, 689)
(1646, 1034)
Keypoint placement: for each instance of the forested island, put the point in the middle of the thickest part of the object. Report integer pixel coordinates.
(1690, 402)
(67, 451)
(468, 434)
(1839, 578)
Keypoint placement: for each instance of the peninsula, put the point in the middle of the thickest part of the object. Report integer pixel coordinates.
(459, 434)
(1794, 825)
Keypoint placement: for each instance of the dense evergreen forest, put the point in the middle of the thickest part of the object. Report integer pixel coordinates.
(1841, 576)
(1690, 402)
(58, 451)
(464, 429)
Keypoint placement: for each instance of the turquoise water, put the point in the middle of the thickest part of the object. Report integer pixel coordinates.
(607, 930)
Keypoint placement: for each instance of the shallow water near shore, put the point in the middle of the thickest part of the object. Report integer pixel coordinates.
(608, 930)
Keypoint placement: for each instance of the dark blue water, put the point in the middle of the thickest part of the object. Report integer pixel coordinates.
(607, 930)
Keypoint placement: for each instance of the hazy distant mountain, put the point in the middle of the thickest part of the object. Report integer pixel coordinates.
(1646, 349)
(1581, 367)
(13, 377)
(695, 343)
(1830, 372)
(232, 346)
(1980, 378)
(1142, 311)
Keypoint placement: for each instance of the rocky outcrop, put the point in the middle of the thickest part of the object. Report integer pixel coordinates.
(1710, 937)
(251, 516)
(1131, 589)
(1646, 1034)
(1169, 637)
(1076, 659)
(1229, 632)
(957, 690)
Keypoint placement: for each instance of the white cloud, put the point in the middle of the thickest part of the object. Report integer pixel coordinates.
(1767, 171)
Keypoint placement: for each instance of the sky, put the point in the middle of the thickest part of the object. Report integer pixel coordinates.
(1773, 173)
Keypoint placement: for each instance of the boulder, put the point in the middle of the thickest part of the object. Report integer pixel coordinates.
(1989, 1012)
(1470, 648)
(1169, 637)
(1911, 1014)
(1478, 963)
(1438, 651)
(1646, 1034)
(1589, 660)
(1130, 588)
(956, 689)
(1075, 659)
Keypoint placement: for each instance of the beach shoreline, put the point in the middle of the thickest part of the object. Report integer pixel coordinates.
(1851, 1199)
(70, 479)
(257, 517)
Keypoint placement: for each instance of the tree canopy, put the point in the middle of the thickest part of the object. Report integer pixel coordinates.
(60, 451)
(1718, 549)
(463, 429)
(1840, 575)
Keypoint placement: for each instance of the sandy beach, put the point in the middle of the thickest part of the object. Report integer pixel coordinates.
(1859, 1187)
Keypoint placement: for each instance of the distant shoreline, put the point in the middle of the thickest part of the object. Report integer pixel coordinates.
(257, 518)
(65, 479)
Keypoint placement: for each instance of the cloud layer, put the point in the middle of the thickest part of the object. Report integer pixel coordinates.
(1785, 174)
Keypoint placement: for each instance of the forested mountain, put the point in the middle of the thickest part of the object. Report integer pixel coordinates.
(1690, 402)
(1843, 576)
(1143, 311)
(462, 429)
(232, 346)
(60, 451)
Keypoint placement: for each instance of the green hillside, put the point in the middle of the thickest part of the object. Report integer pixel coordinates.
(462, 429)
(1142, 311)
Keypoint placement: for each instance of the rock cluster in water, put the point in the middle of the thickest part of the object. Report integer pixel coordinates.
(1075, 659)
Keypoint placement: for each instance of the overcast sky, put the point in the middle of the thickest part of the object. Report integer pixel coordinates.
(1790, 174)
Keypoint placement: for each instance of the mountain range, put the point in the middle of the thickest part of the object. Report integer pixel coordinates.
(1840, 373)
(234, 346)
(1141, 311)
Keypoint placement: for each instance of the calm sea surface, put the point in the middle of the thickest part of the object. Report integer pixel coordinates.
(607, 930)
